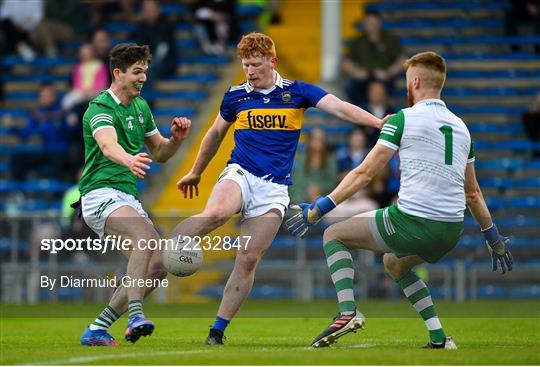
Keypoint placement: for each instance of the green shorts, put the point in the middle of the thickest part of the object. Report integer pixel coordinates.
(407, 235)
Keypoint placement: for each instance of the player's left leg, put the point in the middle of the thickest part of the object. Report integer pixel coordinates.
(417, 292)
(339, 239)
(261, 230)
(118, 304)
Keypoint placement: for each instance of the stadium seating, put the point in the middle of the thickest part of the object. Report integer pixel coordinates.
(489, 87)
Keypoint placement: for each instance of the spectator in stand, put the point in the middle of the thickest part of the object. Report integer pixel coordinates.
(89, 78)
(70, 12)
(101, 40)
(48, 125)
(521, 12)
(350, 157)
(214, 20)
(17, 36)
(354, 153)
(377, 104)
(27, 30)
(103, 11)
(374, 55)
(156, 31)
(531, 123)
(315, 171)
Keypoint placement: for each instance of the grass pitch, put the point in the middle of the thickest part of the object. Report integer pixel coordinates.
(277, 332)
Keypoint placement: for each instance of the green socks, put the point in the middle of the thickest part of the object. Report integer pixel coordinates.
(340, 266)
(105, 319)
(418, 294)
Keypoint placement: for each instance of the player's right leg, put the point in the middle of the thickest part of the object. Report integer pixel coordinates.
(115, 213)
(339, 239)
(128, 223)
(224, 201)
(417, 292)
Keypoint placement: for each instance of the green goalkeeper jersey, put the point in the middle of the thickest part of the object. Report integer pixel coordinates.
(132, 123)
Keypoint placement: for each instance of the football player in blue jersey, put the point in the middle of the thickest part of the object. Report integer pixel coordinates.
(266, 112)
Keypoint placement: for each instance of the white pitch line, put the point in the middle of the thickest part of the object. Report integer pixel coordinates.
(88, 359)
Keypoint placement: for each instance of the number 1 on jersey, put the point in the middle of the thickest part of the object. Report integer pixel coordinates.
(446, 130)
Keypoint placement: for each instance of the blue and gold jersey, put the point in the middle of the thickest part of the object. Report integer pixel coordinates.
(267, 125)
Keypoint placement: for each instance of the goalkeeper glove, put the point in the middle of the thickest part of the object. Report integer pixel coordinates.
(309, 215)
(497, 246)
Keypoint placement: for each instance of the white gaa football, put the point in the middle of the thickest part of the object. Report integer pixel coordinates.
(184, 258)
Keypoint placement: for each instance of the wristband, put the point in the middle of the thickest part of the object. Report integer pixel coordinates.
(491, 234)
(325, 204)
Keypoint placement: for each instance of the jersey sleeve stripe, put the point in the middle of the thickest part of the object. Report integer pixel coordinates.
(102, 127)
(101, 120)
(391, 133)
(470, 160)
(390, 127)
(150, 133)
(101, 115)
(387, 144)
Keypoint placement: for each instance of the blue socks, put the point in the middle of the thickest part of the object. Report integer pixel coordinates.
(220, 323)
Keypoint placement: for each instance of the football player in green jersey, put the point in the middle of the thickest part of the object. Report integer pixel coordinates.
(116, 126)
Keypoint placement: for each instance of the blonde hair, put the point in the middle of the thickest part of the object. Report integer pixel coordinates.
(255, 44)
(432, 62)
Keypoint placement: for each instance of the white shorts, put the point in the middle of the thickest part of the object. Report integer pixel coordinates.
(258, 195)
(98, 204)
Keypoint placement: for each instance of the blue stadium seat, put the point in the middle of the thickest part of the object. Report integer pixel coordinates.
(271, 291)
(14, 112)
(183, 26)
(527, 202)
(197, 77)
(215, 292)
(525, 242)
(496, 164)
(193, 95)
(519, 221)
(174, 9)
(5, 245)
(492, 291)
(284, 242)
(533, 182)
(206, 60)
(45, 186)
(184, 44)
(526, 291)
(8, 186)
(121, 27)
(170, 112)
(496, 182)
(472, 241)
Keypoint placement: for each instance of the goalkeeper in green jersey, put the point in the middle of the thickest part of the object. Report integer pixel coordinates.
(437, 180)
(116, 126)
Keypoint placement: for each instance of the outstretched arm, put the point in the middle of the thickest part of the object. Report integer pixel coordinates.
(355, 180)
(362, 175)
(349, 112)
(209, 146)
(479, 210)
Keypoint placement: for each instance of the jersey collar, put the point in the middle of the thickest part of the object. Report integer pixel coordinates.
(113, 96)
(430, 101)
(279, 83)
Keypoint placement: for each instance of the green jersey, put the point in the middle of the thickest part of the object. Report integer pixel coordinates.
(132, 123)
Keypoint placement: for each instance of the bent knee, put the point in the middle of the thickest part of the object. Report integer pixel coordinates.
(392, 266)
(248, 262)
(216, 216)
(330, 234)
